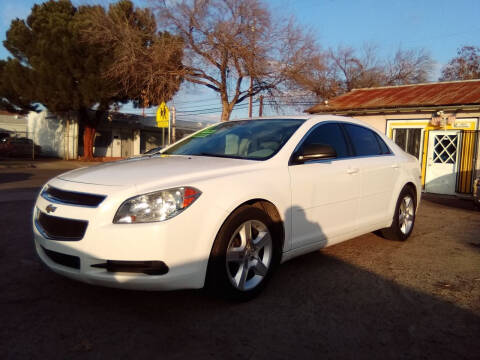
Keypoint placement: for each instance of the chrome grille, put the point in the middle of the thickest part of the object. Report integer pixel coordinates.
(56, 195)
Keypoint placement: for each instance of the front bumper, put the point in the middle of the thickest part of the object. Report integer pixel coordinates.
(178, 279)
(182, 243)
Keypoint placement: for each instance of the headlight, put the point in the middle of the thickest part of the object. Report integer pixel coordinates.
(156, 206)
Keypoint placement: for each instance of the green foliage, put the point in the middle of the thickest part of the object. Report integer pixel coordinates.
(15, 95)
(50, 64)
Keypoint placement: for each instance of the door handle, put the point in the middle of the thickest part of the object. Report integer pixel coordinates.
(352, 171)
(395, 166)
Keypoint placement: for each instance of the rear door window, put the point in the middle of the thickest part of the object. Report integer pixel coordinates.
(364, 141)
(383, 146)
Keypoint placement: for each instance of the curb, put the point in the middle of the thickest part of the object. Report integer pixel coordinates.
(17, 166)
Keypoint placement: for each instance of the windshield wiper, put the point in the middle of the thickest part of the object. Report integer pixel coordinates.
(219, 155)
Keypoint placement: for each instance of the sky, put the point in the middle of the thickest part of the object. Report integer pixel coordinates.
(440, 26)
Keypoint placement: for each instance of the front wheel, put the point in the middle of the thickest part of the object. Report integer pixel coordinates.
(404, 217)
(244, 255)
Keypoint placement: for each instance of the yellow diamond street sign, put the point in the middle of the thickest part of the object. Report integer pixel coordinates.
(163, 116)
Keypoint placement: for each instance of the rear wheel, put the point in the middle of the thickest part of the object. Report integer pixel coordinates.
(244, 255)
(404, 217)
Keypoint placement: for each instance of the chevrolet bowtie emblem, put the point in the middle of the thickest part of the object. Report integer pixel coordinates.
(50, 208)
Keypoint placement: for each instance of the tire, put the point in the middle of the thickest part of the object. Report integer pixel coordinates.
(245, 253)
(403, 218)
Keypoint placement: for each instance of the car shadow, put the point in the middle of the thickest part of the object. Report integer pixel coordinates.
(13, 177)
(316, 306)
(449, 200)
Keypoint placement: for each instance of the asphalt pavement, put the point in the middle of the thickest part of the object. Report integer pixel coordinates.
(362, 299)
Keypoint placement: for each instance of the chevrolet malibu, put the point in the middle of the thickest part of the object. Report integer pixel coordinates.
(223, 207)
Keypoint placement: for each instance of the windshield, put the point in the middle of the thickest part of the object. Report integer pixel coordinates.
(246, 139)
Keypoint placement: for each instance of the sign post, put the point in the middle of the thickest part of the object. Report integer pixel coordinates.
(163, 119)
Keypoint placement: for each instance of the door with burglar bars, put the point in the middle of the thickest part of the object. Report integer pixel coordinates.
(466, 167)
(444, 149)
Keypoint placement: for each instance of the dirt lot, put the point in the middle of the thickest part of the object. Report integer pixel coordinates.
(365, 298)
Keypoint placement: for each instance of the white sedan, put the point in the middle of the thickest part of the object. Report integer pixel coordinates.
(226, 205)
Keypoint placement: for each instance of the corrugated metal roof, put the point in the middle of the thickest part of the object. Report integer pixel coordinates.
(405, 96)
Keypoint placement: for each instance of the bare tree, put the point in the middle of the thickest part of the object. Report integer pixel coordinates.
(409, 67)
(346, 68)
(357, 71)
(318, 78)
(465, 66)
(228, 42)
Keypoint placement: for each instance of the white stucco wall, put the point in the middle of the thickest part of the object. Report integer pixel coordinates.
(57, 137)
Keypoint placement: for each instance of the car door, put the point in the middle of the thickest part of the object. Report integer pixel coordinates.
(377, 167)
(325, 193)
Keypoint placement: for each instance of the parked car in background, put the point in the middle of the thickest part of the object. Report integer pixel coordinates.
(224, 206)
(19, 147)
(4, 136)
(5, 145)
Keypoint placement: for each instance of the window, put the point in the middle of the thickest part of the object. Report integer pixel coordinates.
(364, 141)
(383, 146)
(329, 134)
(409, 140)
(445, 149)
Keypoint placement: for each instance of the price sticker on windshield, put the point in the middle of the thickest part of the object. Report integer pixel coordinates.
(204, 133)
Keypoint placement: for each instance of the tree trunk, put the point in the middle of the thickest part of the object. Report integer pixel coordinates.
(88, 133)
(90, 125)
(226, 110)
(88, 136)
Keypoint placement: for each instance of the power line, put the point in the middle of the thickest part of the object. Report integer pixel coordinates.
(206, 100)
(216, 109)
(213, 110)
(200, 110)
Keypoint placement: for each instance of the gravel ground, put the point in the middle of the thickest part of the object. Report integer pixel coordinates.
(365, 298)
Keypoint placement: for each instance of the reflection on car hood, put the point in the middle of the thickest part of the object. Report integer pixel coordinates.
(157, 169)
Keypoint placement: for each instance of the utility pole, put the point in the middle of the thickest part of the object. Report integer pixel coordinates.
(172, 123)
(169, 135)
(250, 98)
(250, 105)
(260, 109)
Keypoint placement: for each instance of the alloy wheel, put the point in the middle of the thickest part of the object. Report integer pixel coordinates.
(406, 215)
(249, 255)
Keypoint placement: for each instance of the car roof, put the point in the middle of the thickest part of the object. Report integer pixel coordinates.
(313, 118)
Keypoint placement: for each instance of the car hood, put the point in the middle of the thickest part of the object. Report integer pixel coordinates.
(157, 170)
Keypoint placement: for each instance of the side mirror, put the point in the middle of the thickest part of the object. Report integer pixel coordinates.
(314, 152)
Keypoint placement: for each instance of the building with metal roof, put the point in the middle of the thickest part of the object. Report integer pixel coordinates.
(436, 122)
